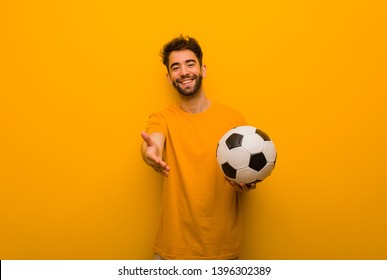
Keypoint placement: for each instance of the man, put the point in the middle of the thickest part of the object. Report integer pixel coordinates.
(200, 215)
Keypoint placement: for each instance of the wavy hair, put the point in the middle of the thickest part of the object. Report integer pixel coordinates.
(178, 44)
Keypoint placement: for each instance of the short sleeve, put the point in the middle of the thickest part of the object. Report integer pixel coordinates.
(156, 123)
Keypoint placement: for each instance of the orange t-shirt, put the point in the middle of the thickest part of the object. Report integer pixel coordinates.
(200, 215)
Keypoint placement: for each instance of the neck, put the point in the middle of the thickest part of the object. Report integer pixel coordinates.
(195, 104)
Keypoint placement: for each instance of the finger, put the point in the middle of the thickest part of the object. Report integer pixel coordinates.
(162, 164)
(147, 138)
(236, 186)
(163, 172)
(244, 187)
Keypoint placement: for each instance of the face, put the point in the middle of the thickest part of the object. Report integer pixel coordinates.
(185, 73)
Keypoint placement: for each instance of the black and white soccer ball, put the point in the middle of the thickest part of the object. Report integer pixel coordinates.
(246, 154)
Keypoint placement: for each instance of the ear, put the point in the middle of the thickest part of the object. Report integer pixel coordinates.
(204, 70)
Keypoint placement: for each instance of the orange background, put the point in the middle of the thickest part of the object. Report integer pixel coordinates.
(79, 78)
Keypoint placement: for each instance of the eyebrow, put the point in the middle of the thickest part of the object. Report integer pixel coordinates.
(187, 61)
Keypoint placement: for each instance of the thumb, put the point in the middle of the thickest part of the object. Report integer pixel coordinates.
(147, 138)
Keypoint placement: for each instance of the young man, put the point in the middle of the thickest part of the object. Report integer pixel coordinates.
(200, 215)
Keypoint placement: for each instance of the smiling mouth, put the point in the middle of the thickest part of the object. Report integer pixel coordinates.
(188, 86)
(185, 82)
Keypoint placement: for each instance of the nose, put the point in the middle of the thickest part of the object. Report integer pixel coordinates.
(183, 71)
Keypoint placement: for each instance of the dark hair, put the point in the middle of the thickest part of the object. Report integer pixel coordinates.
(178, 44)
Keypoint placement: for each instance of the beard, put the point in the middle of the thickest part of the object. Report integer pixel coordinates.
(189, 91)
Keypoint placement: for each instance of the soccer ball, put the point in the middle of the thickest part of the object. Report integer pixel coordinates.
(246, 154)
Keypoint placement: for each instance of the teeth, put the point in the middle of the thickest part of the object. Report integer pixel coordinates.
(186, 82)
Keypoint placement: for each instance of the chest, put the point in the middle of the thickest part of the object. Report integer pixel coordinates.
(197, 137)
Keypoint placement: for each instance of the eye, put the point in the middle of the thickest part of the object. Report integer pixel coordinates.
(175, 68)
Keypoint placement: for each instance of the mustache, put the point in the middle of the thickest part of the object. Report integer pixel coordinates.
(188, 76)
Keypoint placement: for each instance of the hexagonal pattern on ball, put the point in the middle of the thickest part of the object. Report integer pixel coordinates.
(265, 172)
(257, 161)
(228, 170)
(270, 151)
(253, 143)
(246, 175)
(234, 141)
(238, 158)
(221, 153)
(245, 129)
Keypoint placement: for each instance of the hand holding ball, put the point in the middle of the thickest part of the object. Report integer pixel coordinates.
(246, 154)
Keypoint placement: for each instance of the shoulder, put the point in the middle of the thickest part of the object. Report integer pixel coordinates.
(163, 116)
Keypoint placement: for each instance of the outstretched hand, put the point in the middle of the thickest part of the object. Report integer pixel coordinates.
(153, 156)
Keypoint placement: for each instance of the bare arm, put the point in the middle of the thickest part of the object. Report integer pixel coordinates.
(152, 152)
